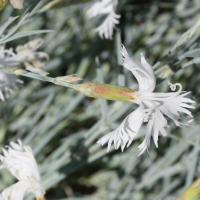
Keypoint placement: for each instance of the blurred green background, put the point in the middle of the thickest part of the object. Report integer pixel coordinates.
(63, 126)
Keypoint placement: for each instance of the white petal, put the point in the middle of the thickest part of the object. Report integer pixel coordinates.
(20, 161)
(1, 95)
(186, 100)
(143, 72)
(190, 121)
(159, 124)
(187, 106)
(148, 67)
(156, 125)
(172, 106)
(16, 191)
(16, 146)
(105, 7)
(145, 144)
(126, 132)
(100, 7)
(106, 28)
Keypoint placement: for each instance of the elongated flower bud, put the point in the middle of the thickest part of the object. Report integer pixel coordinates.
(105, 91)
(67, 79)
(3, 3)
(20, 71)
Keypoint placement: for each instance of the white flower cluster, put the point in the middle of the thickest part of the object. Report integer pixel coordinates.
(105, 7)
(20, 161)
(152, 106)
(26, 54)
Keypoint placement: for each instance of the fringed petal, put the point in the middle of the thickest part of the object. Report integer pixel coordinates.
(20, 162)
(105, 7)
(156, 125)
(143, 72)
(100, 7)
(172, 106)
(126, 132)
(16, 191)
(106, 28)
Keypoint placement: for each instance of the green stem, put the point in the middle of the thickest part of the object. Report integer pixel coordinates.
(103, 102)
(22, 72)
(38, 77)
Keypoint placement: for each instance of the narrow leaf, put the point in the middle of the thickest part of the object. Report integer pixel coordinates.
(26, 33)
(6, 24)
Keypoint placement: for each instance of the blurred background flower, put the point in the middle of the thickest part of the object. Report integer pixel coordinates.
(20, 161)
(26, 54)
(105, 7)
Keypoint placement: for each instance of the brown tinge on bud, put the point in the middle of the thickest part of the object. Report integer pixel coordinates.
(20, 72)
(18, 4)
(3, 3)
(67, 79)
(105, 91)
(41, 198)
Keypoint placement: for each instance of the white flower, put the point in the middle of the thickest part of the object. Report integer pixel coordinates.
(105, 7)
(101, 7)
(106, 29)
(20, 161)
(152, 106)
(25, 54)
(18, 4)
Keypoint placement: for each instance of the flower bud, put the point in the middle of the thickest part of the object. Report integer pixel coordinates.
(3, 3)
(20, 72)
(67, 79)
(105, 91)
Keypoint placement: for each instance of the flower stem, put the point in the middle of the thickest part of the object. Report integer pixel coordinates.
(41, 77)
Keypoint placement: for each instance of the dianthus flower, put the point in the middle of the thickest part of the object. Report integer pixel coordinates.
(105, 7)
(20, 161)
